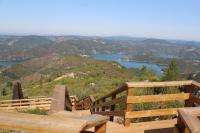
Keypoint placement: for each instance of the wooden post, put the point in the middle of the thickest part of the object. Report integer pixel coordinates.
(180, 124)
(91, 103)
(17, 90)
(100, 128)
(60, 100)
(129, 107)
(112, 108)
(94, 109)
(103, 108)
(97, 103)
(189, 89)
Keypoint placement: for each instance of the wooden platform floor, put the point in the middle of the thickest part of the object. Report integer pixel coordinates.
(167, 126)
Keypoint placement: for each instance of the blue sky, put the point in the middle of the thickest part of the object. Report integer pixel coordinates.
(170, 19)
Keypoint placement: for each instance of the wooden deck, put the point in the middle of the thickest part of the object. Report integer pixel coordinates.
(107, 105)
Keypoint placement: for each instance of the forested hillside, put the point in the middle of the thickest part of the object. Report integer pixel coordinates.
(82, 76)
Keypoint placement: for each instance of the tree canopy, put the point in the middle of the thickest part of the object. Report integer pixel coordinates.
(172, 72)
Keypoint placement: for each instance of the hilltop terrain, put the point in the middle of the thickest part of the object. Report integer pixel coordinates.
(82, 76)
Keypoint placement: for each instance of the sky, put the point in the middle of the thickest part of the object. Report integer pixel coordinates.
(167, 19)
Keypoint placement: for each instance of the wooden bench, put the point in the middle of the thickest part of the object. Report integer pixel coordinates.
(60, 119)
(188, 121)
(63, 122)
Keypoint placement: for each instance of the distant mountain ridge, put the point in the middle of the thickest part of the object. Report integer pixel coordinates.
(22, 47)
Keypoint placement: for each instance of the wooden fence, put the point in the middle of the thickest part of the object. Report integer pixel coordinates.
(124, 95)
(85, 103)
(42, 103)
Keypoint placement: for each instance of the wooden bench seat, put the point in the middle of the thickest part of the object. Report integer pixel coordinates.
(188, 121)
(51, 123)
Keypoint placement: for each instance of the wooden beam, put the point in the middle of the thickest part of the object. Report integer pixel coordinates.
(17, 90)
(110, 113)
(60, 100)
(197, 84)
(100, 128)
(24, 100)
(45, 106)
(151, 113)
(158, 84)
(189, 119)
(157, 98)
(113, 102)
(112, 107)
(26, 103)
(39, 124)
(122, 88)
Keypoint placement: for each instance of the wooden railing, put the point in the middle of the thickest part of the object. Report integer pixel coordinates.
(85, 103)
(107, 104)
(42, 103)
(125, 95)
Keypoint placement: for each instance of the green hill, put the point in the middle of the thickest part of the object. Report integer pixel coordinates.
(82, 76)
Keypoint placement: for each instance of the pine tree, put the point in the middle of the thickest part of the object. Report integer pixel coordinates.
(4, 92)
(148, 74)
(172, 72)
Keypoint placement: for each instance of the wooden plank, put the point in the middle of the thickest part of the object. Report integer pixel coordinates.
(100, 128)
(108, 103)
(161, 124)
(35, 97)
(26, 107)
(24, 100)
(91, 120)
(39, 124)
(197, 84)
(24, 103)
(94, 120)
(191, 122)
(158, 84)
(110, 113)
(151, 113)
(157, 98)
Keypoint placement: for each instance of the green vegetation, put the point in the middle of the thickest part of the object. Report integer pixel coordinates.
(197, 77)
(148, 74)
(35, 111)
(172, 72)
(82, 76)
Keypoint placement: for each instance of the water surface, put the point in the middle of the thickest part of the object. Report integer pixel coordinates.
(118, 58)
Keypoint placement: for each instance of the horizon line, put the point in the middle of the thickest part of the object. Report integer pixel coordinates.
(103, 36)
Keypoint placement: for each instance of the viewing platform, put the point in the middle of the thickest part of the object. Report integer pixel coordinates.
(140, 107)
